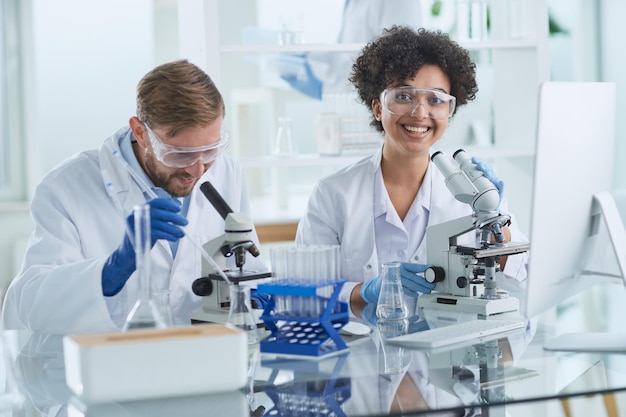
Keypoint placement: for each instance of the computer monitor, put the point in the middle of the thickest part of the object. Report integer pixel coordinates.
(571, 199)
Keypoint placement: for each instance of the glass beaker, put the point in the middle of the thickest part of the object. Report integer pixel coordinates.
(240, 313)
(144, 313)
(285, 145)
(391, 303)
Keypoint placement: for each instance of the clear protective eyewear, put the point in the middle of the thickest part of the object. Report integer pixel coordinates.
(406, 100)
(181, 157)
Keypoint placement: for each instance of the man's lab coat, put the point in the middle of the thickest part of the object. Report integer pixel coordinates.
(77, 227)
(341, 211)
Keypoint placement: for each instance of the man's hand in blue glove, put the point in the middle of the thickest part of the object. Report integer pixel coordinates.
(490, 174)
(304, 80)
(165, 223)
(413, 282)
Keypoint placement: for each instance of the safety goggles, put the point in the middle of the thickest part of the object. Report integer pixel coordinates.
(179, 157)
(406, 100)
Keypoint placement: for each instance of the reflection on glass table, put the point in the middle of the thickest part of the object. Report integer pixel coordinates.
(469, 380)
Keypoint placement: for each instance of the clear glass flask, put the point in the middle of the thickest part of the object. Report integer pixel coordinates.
(145, 313)
(391, 302)
(240, 313)
(285, 144)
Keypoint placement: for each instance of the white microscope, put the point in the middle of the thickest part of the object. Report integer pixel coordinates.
(465, 276)
(236, 241)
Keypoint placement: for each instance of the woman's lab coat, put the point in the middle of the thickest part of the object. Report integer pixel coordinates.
(77, 227)
(341, 211)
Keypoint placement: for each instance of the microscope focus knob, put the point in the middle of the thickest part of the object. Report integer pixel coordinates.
(202, 287)
(434, 274)
(462, 282)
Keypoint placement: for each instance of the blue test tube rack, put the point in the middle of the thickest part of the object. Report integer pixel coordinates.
(312, 388)
(302, 331)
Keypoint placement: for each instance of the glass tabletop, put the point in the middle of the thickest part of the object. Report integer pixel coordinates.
(370, 378)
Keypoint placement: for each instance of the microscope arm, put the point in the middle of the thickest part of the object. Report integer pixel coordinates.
(440, 237)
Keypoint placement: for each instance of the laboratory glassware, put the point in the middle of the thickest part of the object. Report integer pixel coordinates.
(240, 313)
(304, 314)
(285, 144)
(391, 302)
(145, 313)
(393, 355)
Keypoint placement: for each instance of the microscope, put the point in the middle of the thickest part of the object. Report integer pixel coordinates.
(237, 241)
(465, 276)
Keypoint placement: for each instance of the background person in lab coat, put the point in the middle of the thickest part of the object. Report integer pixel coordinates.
(361, 20)
(378, 209)
(78, 270)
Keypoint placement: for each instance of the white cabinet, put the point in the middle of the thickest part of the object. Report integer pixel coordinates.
(236, 43)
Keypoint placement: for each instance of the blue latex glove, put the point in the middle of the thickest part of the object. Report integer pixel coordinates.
(368, 314)
(490, 174)
(413, 282)
(261, 300)
(304, 81)
(165, 223)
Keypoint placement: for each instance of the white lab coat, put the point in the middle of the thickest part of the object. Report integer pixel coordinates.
(77, 227)
(341, 211)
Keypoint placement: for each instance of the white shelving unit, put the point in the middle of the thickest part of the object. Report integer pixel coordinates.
(210, 32)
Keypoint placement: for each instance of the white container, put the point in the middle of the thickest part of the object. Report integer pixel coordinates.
(154, 363)
(328, 134)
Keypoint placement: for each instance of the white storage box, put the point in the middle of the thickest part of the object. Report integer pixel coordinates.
(155, 363)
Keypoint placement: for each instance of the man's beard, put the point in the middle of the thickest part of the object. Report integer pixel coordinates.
(164, 180)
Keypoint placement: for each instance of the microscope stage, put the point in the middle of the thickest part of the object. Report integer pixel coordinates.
(501, 249)
(236, 275)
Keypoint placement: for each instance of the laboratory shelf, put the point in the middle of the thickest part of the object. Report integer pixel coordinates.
(293, 48)
(354, 47)
(300, 160)
(303, 160)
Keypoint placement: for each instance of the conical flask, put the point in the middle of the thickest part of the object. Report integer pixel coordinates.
(285, 144)
(144, 313)
(240, 313)
(391, 302)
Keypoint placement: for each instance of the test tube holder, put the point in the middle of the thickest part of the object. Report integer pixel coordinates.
(303, 334)
(312, 387)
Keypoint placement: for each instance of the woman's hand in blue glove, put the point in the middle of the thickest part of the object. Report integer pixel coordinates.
(259, 300)
(165, 223)
(413, 282)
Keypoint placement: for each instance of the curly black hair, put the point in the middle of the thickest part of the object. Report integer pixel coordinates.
(400, 52)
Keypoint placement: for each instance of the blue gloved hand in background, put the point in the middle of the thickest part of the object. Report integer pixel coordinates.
(303, 79)
(165, 223)
(413, 282)
(490, 174)
(258, 300)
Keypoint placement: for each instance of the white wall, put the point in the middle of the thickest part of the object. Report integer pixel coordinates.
(88, 58)
(613, 68)
(82, 67)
